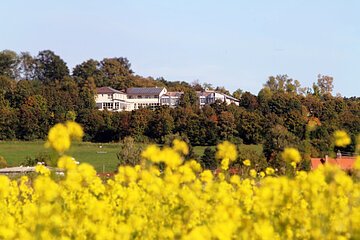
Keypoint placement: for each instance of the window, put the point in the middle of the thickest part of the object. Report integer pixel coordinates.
(99, 105)
(110, 96)
(108, 105)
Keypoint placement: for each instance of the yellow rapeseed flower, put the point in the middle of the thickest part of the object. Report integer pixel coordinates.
(342, 139)
(59, 138)
(226, 150)
(206, 176)
(253, 173)
(291, 155)
(152, 153)
(66, 162)
(247, 162)
(42, 170)
(225, 164)
(75, 130)
(269, 171)
(180, 146)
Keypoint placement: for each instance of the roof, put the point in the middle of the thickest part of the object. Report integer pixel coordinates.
(203, 94)
(231, 98)
(106, 90)
(345, 163)
(173, 94)
(144, 91)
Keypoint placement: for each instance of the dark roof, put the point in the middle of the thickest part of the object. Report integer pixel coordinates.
(105, 90)
(174, 94)
(203, 94)
(144, 91)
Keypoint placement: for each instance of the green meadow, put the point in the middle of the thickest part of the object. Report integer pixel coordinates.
(101, 155)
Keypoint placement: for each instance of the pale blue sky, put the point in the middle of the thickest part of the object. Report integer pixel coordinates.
(235, 44)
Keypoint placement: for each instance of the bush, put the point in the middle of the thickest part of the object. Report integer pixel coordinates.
(129, 153)
(41, 157)
(3, 163)
(208, 160)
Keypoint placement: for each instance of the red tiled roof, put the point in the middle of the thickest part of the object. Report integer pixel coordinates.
(345, 163)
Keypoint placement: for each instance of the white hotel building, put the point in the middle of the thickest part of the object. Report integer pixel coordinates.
(135, 98)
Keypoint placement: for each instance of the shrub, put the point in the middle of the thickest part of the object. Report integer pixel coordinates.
(3, 163)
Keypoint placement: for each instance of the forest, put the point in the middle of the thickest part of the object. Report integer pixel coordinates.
(39, 91)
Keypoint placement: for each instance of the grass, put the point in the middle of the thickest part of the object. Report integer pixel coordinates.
(103, 159)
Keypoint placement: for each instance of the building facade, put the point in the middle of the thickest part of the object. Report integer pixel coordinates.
(136, 98)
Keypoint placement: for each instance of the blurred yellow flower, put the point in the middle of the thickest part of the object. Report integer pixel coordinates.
(66, 162)
(180, 146)
(342, 139)
(291, 155)
(75, 130)
(247, 162)
(42, 170)
(225, 164)
(269, 171)
(253, 173)
(152, 153)
(59, 138)
(226, 150)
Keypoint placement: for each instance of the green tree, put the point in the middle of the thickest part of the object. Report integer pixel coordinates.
(208, 160)
(250, 126)
(8, 123)
(325, 84)
(129, 152)
(249, 101)
(89, 69)
(34, 118)
(161, 124)
(8, 64)
(238, 93)
(116, 72)
(27, 65)
(50, 67)
(276, 139)
(92, 121)
(227, 125)
(189, 99)
(139, 123)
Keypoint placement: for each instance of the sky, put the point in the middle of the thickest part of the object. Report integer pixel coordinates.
(235, 44)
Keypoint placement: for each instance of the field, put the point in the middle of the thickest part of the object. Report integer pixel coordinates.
(103, 159)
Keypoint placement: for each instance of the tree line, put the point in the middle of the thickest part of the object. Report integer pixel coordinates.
(38, 91)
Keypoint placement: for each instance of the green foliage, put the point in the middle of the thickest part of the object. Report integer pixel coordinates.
(208, 160)
(43, 158)
(37, 92)
(3, 163)
(50, 67)
(8, 63)
(129, 153)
